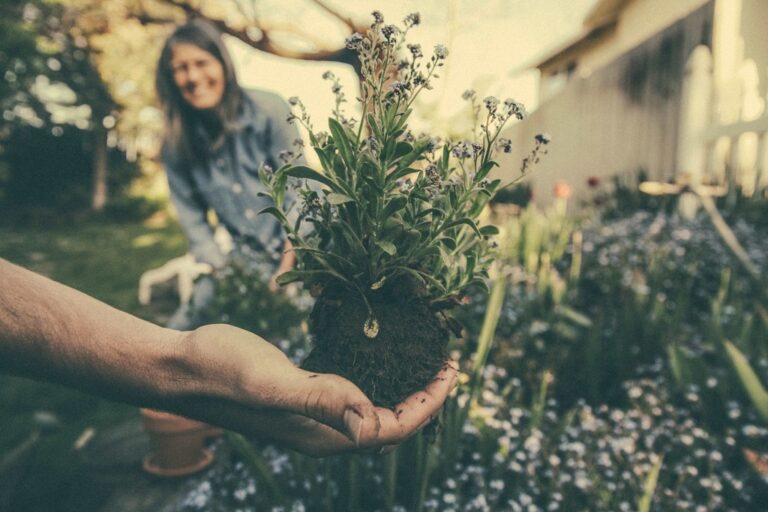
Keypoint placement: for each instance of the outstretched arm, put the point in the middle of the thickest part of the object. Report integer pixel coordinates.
(217, 373)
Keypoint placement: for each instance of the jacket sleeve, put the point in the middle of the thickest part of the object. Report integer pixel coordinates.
(192, 212)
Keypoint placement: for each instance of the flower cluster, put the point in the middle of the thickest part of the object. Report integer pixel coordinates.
(592, 458)
(398, 218)
(512, 458)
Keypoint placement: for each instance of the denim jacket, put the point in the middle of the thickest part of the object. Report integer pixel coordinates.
(228, 181)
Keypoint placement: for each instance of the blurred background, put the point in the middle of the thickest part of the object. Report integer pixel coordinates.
(634, 255)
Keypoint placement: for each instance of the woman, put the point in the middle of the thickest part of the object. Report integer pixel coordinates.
(217, 137)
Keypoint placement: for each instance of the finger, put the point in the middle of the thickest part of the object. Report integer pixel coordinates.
(293, 431)
(338, 403)
(418, 409)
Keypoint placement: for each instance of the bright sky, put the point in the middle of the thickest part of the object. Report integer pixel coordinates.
(490, 43)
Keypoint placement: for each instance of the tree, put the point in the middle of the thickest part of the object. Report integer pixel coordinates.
(46, 44)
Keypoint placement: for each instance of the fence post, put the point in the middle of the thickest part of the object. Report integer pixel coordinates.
(695, 116)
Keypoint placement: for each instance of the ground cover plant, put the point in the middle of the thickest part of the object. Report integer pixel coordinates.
(394, 241)
(543, 421)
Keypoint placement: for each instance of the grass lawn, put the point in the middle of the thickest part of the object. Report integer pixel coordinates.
(104, 260)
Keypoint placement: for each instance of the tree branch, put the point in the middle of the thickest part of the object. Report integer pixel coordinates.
(266, 43)
(353, 27)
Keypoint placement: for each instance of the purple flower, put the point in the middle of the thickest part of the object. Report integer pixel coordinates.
(415, 50)
(354, 41)
(389, 31)
(505, 145)
(412, 19)
(441, 52)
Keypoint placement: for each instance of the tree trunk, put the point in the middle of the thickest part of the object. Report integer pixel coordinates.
(99, 191)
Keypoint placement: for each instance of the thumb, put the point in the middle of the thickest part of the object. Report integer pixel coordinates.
(338, 403)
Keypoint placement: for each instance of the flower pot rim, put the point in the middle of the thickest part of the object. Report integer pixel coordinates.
(150, 467)
(161, 421)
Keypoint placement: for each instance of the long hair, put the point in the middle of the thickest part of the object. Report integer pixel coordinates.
(182, 121)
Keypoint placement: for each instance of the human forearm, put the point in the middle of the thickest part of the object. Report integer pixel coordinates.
(52, 332)
(216, 373)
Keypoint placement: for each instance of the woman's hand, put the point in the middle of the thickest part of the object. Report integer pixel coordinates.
(287, 261)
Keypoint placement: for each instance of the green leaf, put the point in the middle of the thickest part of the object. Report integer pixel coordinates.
(450, 243)
(465, 221)
(374, 127)
(280, 184)
(302, 275)
(749, 379)
(415, 154)
(253, 458)
(574, 316)
(482, 283)
(649, 487)
(342, 141)
(402, 148)
(322, 154)
(436, 212)
(471, 262)
(387, 247)
(325, 255)
(302, 171)
(336, 198)
(403, 118)
(396, 175)
(278, 215)
(395, 205)
(676, 365)
(445, 159)
(484, 170)
(489, 230)
(423, 276)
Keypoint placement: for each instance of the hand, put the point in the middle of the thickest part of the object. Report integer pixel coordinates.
(273, 286)
(218, 373)
(287, 261)
(316, 414)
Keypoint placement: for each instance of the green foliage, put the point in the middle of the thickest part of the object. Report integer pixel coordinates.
(621, 197)
(130, 208)
(387, 204)
(749, 379)
(243, 299)
(52, 171)
(105, 261)
(651, 481)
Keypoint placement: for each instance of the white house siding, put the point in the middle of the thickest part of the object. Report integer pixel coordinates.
(621, 118)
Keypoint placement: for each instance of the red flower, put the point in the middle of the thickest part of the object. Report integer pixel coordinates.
(562, 189)
(593, 181)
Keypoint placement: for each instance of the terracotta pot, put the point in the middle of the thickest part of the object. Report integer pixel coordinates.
(177, 444)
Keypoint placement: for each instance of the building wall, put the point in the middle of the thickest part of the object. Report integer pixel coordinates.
(622, 118)
(754, 14)
(639, 20)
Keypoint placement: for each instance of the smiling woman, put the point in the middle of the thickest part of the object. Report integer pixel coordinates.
(217, 135)
(198, 75)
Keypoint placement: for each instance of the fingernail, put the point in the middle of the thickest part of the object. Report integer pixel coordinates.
(354, 423)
